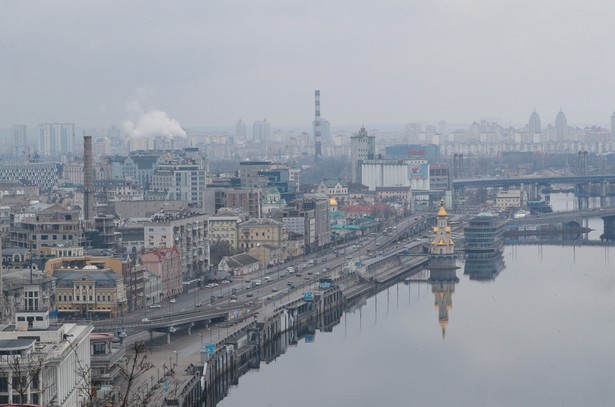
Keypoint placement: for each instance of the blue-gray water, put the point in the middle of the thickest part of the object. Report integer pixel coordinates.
(542, 333)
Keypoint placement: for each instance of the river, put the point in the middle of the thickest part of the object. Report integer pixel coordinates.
(539, 333)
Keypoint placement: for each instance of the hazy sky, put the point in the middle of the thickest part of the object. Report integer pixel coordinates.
(209, 63)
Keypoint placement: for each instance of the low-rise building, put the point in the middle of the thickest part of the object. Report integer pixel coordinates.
(106, 358)
(239, 264)
(509, 199)
(91, 292)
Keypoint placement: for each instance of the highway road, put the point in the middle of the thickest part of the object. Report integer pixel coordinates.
(275, 282)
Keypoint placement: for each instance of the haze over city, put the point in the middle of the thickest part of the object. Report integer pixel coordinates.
(211, 63)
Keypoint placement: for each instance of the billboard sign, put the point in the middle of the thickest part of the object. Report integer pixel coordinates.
(325, 283)
(419, 171)
(308, 296)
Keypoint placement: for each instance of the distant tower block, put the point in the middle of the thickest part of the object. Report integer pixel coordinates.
(88, 182)
(317, 141)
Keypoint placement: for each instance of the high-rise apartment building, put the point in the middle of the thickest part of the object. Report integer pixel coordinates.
(20, 141)
(240, 131)
(56, 138)
(561, 125)
(362, 147)
(261, 131)
(534, 126)
(180, 181)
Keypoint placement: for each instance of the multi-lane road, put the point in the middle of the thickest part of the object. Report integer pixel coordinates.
(274, 284)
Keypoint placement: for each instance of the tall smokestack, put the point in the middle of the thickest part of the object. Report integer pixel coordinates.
(88, 179)
(317, 143)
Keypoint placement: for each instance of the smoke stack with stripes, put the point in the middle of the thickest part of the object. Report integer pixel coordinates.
(317, 142)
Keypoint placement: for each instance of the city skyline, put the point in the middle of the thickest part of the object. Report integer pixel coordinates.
(387, 62)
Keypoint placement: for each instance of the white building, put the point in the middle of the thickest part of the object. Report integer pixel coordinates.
(56, 138)
(53, 360)
(188, 231)
(362, 147)
(395, 173)
(180, 182)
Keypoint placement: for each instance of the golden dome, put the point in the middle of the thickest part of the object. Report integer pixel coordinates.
(442, 212)
(332, 201)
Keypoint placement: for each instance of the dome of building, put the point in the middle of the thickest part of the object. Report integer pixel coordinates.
(442, 212)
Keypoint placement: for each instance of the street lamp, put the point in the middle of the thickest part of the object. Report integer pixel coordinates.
(176, 356)
(201, 335)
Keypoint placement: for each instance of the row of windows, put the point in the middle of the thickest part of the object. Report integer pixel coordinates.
(69, 298)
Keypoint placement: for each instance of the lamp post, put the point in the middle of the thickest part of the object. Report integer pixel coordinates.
(201, 335)
(176, 356)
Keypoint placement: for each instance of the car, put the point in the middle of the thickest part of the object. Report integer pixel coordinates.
(325, 269)
(349, 257)
(145, 320)
(215, 284)
(289, 284)
(298, 274)
(306, 277)
(309, 273)
(220, 296)
(225, 282)
(173, 301)
(233, 301)
(274, 289)
(154, 306)
(317, 273)
(249, 295)
(198, 305)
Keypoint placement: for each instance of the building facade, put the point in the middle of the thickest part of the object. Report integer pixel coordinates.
(362, 147)
(166, 264)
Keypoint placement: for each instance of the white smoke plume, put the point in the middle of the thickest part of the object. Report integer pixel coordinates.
(153, 123)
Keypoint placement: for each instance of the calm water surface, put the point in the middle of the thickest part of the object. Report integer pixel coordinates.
(542, 333)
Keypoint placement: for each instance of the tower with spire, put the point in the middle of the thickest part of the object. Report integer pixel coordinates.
(442, 268)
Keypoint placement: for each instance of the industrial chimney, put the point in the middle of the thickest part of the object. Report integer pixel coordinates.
(317, 142)
(88, 183)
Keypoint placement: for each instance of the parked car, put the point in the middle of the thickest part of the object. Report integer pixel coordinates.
(226, 282)
(155, 306)
(145, 320)
(173, 301)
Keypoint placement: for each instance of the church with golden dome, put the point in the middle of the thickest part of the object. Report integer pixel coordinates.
(442, 267)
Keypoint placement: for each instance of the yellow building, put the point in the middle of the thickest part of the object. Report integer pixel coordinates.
(90, 292)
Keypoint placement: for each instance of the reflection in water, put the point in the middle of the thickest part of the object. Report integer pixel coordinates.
(484, 266)
(443, 283)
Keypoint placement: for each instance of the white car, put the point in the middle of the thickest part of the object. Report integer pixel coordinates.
(225, 282)
(145, 320)
(172, 301)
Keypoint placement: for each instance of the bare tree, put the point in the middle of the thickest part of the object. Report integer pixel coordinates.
(22, 373)
(130, 395)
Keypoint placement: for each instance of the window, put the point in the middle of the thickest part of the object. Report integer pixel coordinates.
(4, 387)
